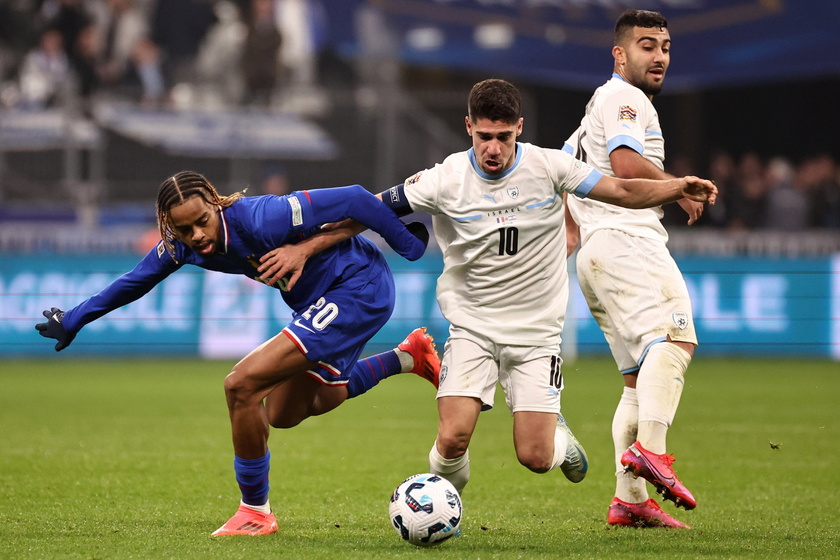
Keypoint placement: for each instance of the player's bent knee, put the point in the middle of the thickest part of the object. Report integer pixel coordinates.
(535, 460)
(238, 389)
(452, 445)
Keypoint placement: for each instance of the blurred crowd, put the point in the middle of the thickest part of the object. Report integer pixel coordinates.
(157, 51)
(222, 53)
(774, 193)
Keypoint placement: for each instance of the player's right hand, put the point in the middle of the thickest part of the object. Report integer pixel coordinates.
(699, 190)
(54, 328)
(283, 266)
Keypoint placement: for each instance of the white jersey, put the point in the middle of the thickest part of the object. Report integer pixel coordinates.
(618, 114)
(503, 239)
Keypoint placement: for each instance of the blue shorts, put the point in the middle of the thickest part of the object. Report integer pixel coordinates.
(334, 329)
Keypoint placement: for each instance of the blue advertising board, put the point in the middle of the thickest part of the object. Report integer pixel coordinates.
(742, 306)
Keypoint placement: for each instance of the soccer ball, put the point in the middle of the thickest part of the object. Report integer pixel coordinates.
(425, 509)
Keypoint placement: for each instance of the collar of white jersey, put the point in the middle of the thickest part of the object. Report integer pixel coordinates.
(617, 76)
(224, 227)
(503, 174)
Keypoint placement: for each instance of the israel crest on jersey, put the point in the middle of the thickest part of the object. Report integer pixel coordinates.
(513, 191)
(680, 319)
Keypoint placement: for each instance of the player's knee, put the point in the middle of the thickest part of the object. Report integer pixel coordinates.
(535, 459)
(238, 389)
(451, 445)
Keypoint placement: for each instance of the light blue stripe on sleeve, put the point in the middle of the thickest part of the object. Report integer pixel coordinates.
(588, 184)
(624, 140)
(568, 148)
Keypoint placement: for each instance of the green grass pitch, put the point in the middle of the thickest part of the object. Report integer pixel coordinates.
(113, 459)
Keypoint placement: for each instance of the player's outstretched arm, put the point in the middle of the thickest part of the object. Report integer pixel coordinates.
(335, 204)
(289, 260)
(131, 286)
(54, 328)
(627, 163)
(647, 193)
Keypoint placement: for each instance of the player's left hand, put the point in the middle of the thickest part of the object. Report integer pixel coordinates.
(419, 230)
(699, 190)
(54, 328)
(692, 208)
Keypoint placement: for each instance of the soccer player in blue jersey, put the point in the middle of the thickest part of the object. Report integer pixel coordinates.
(344, 296)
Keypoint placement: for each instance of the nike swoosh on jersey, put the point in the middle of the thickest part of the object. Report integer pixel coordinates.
(301, 325)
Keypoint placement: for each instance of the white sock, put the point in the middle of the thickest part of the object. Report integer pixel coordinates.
(406, 360)
(456, 471)
(624, 431)
(561, 442)
(659, 387)
(265, 508)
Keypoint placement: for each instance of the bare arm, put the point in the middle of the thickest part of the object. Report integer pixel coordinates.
(647, 193)
(290, 259)
(572, 231)
(629, 164)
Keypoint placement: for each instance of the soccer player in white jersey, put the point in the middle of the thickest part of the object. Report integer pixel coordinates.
(632, 285)
(498, 217)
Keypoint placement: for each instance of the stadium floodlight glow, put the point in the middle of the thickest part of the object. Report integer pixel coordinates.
(425, 38)
(494, 36)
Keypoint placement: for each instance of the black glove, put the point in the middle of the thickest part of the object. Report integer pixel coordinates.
(54, 329)
(418, 230)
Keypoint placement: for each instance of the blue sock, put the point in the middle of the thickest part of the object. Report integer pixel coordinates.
(370, 371)
(252, 476)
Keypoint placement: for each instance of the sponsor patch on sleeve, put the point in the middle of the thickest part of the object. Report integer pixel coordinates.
(160, 249)
(394, 194)
(297, 211)
(627, 113)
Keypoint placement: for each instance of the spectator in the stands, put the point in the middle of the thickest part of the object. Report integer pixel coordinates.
(260, 61)
(820, 176)
(70, 17)
(179, 28)
(303, 25)
(44, 72)
(722, 172)
(128, 57)
(749, 194)
(787, 202)
(274, 180)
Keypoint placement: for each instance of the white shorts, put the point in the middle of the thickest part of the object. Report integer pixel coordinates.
(529, 375)
(635, 292)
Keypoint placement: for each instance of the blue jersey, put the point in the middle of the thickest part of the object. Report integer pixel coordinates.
(252, 226)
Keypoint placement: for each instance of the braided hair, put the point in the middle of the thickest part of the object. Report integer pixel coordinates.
(178, 189)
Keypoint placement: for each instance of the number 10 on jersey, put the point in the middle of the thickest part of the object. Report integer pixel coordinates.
(508, 241)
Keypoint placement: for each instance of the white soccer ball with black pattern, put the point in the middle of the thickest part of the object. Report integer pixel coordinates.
(425, 509)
